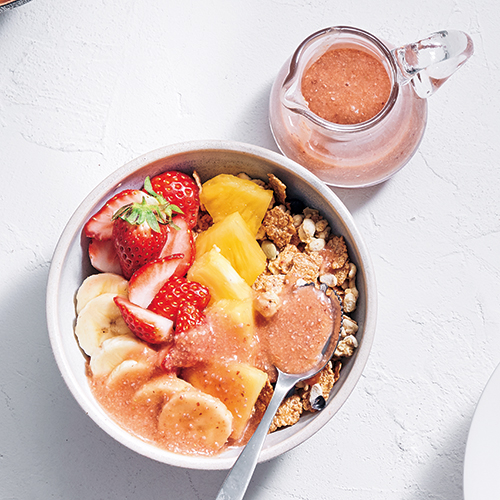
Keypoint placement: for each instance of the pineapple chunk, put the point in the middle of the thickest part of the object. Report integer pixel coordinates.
(225, 194)
(237, 385)
(240, 316)
(215, 272)
(237, 243)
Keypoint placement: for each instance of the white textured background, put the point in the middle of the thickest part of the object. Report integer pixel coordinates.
(88, 86)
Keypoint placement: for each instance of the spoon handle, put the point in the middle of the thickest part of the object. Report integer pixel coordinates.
(236, 483)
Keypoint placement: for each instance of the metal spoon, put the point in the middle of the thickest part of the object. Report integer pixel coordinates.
(236, 483)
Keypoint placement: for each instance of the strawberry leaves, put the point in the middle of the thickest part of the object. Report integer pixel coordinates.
(147, 212)
(139, 213)
(166, 209)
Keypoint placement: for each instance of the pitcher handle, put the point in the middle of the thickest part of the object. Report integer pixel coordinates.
(428, 63)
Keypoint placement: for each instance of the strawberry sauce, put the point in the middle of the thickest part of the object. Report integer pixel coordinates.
(292, 339)
(346, 86)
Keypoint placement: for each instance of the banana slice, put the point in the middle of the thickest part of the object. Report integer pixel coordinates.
(114, 351)
(99, 320)
(128, 370)
(203, 421)
(161, 389)
(97, 284)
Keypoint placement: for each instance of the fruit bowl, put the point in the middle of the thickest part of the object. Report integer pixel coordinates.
(71, 265)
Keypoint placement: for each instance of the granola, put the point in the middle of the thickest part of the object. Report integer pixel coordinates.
(279, 227)
(278, 187)
(288, 413)
(303, 245)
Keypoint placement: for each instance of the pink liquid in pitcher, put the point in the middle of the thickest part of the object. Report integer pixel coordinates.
(340, 112)
(346, 86)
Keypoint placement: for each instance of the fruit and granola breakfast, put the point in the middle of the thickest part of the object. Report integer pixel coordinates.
(190, 275)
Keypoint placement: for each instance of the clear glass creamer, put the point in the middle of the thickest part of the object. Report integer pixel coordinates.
(369, 152)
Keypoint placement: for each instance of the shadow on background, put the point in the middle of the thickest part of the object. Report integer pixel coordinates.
(253, 127)
(443, 476)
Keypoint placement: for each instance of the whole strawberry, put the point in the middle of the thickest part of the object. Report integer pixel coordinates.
(136, 245)
(179, 189)
(140, 231)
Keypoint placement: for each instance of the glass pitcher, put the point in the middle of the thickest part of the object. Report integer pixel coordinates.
(366, 153)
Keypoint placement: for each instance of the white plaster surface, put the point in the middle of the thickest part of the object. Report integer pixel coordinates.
(87, 86)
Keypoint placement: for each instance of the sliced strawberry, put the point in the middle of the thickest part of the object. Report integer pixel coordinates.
(148, 280)
(179, 189)
(103, 256)
(188, 317)
(176, 291)
(145, 324)
(100, 225)
(180, 240)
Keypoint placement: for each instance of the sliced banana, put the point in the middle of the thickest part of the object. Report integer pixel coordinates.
(99, 320)
(97, 284)
(203, 421)
(129, 370)
(161, 389)
(114, 351)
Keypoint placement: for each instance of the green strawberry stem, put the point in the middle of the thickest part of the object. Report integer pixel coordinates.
(152, 214)
(161, 200)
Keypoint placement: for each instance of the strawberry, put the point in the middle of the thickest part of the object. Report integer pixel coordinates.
(148, 280)
(189, 316)
(175, 292)
(140, 230)
(179, 189)
(137, 245)
(100, 225)
(145, 324)
(180, 241)
(103, 256)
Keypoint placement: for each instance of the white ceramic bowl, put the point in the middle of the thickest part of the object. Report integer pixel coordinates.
(70, 265)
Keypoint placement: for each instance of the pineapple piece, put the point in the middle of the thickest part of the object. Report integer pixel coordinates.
(239, 314)
(214, 271)
(237, 385)
(237, 243)
(225, 194)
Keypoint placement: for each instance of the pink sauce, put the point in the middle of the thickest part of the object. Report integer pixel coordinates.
(346, 86)
(292, 339)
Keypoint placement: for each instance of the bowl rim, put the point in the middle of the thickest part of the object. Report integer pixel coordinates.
(74, 226)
